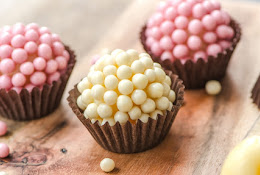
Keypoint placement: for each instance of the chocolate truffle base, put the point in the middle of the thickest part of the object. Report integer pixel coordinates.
(131, 138)
(196, 74)
(37, 103)
(256, 93)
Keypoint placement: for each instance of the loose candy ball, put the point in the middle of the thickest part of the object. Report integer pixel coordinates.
(213, 87)
(107, 165)
(3, 128)
(4, 150)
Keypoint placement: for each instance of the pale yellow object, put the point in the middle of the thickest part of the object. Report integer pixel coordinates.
(111, 82)
(148, 106)
(86, 97)
(104, 110)
(110, 121)
(160, 74)
(137, 67)
(107, 165)
(213, 87)
(109, 70)
(110, 97)
(150, 74)
(144, 118)
(80, 104)
(135, 113)
(140, 81)
(125, 87)
(124, 103)
(172, 96)
(91, 111)
(244, 159)
(155, 90)
(97, 78)
(162, 103)
(168, 80)
(121, 117)
(84, 84)
(124, 72)
(97, 92)
(147, 61)
(138, 96)
(154, 114)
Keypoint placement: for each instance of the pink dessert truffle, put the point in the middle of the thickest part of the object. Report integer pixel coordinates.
(30, 56)
(188, 29)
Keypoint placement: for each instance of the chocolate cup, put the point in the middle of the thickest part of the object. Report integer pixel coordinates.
(256, 93)
(196, 74)
(37, 103)
(129, 137)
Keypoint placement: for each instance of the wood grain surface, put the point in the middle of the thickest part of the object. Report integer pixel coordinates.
(205, 129)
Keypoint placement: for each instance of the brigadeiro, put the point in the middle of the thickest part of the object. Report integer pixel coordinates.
(35, 66)
(127, 102)
(193, 38)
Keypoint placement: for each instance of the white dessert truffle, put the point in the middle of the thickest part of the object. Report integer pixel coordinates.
(125, 87)
(140, 81)
(107, 165)
(213, 87)
(111, 82)
(110, 97)
(124, 72)
(138, 96)
(121, 117)
(135, 113)
(104, 110)
(124, 103)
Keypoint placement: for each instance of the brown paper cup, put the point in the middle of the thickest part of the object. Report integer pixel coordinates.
(37, 103)
(132, 138)
(256, 93)
(196, 74)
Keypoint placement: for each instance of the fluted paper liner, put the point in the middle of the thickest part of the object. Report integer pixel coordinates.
(37, 103)
(256, 93)
(131, 138)
(196, 74)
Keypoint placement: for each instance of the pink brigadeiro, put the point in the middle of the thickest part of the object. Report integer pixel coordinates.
(188, 29)
(30, 56)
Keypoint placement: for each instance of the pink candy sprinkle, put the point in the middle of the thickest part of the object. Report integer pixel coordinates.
(166, 43)
(31, 35)
(5, 38)
(43, 30)
(3, 128)
(180, 51)
(19, 55)
(214, 49)
(32, 26)
(5, 51)
(198, 11)
(170, 13)
(195, 27)
(27, 68)
(44, 50)
(7, 65)
(66, 55)
(18, 80)
(167, 55)
(167, 27)
(38, 78)
(156, 33)
(55, 37)
(181, 22)
(29, 87)
(46, 38)
(5, 82)
(39, 63)
(200, 54)
(210, 37)
(62, 62)
(4, 150)
(30, 47)
(51, 67)
(184, 9)
(156, 49)
(53, 77)
(179, 36)
(194, 42)
(18, 41)
(58, 48)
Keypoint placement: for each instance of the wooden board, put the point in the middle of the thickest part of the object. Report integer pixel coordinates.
(205, 130)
